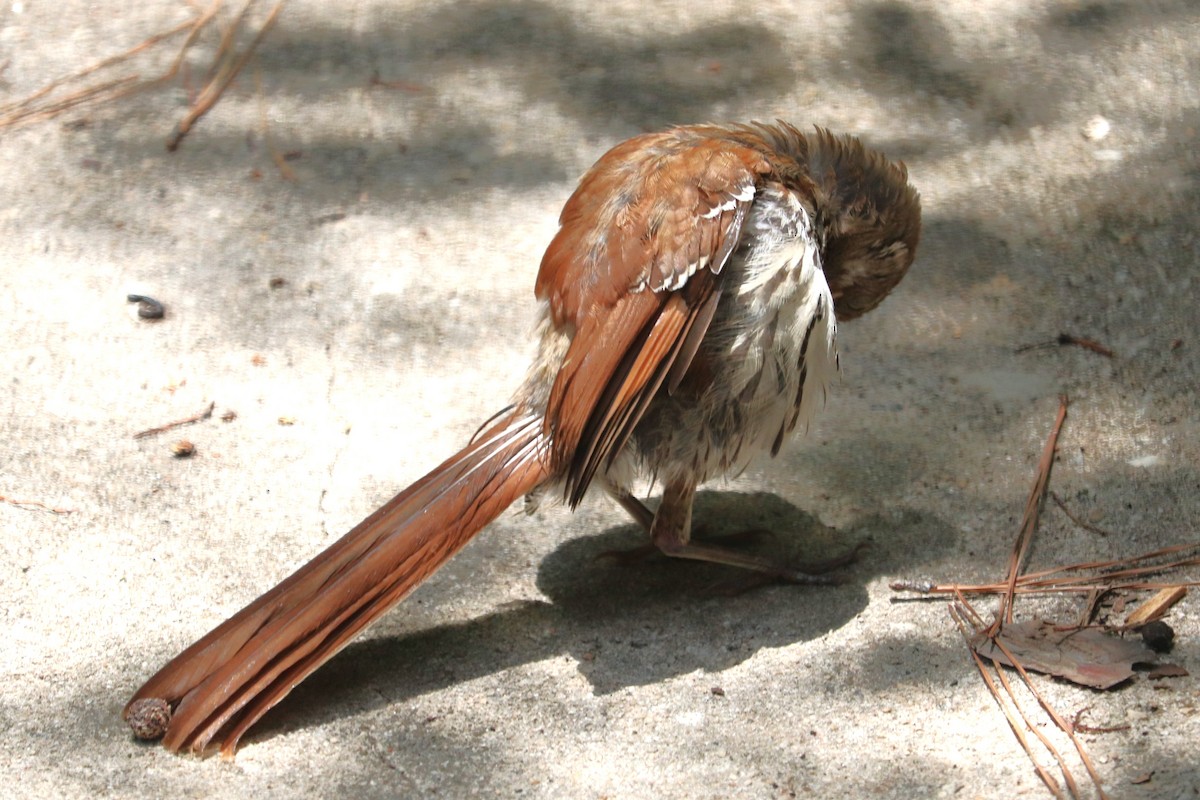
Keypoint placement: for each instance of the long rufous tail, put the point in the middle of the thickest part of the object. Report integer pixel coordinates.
(226, 681)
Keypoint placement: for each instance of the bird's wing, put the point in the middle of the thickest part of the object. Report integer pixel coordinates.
(635, 274)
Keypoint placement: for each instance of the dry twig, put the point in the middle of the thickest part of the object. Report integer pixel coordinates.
(205, 414)
(1156, 606)
(1115, 574)
(1030, 519)
(35, 505)
(1062, 724)
(1082, 727)
(41, 105)
(1085, 525)
(285, 171)
(227, 67)
(959, 612)
(37, 106)
(1065, 339)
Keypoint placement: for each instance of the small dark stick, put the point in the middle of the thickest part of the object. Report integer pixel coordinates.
(148, 307)
(1086, 344)
(1086, 526)
(205, 414)
(1069, 339)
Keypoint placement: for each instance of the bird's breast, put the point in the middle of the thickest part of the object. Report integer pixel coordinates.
(766, 359)
(775, 330)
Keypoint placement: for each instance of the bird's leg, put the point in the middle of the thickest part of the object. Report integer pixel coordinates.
(674, 517)
(642, 515)
(671, 533)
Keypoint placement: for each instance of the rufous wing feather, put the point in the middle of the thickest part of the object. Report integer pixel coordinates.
(656, 218)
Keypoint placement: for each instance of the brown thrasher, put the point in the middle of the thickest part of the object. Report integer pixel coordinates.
(690, 305)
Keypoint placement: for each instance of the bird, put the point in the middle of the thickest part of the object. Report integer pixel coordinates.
(689, 304)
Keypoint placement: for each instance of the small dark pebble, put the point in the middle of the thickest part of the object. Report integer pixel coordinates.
(1158, 636)
(717, 691)
(148, 307)
(148, 717)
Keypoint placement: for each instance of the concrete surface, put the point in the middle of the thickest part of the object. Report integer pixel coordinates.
(407, 247)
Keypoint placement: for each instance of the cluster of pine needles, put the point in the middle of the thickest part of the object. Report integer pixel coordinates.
(117, 77)
(1096, 652)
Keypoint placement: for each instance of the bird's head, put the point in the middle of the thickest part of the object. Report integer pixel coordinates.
(872, 221)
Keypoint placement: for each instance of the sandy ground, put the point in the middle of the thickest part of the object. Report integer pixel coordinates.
(405, 250)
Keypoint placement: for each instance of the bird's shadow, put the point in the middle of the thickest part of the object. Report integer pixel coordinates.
(628, 624)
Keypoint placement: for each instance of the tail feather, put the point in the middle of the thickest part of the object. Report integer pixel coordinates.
(226, 681)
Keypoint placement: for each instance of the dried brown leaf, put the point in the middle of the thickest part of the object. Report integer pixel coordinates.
(1087, 656)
